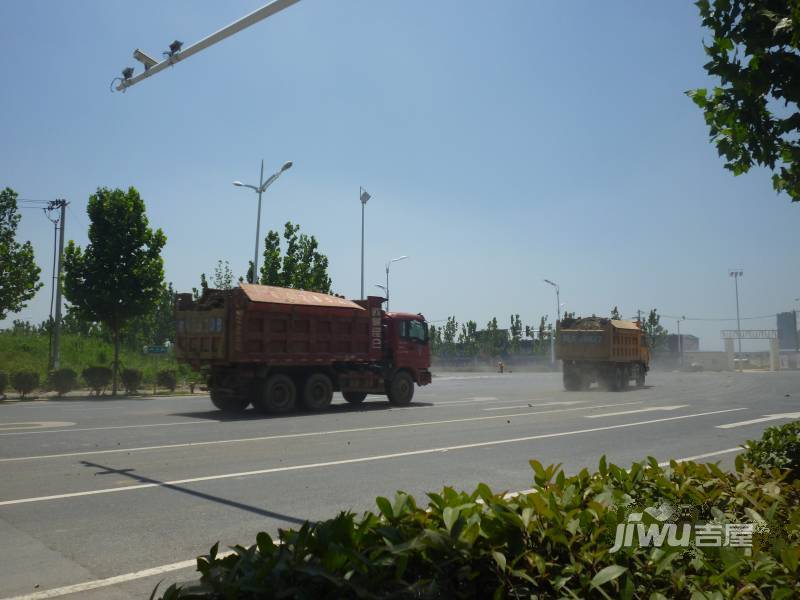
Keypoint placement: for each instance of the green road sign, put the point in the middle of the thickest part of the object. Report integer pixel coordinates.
(155, 349)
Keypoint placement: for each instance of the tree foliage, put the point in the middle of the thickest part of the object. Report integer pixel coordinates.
(752, 115)
(302, 266)
(120, 274)
(656, 334)
(615, 314)
(19, 275)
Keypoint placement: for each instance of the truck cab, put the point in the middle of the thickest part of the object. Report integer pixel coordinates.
(407, 344)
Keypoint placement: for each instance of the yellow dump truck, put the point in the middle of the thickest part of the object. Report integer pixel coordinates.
(610, 352)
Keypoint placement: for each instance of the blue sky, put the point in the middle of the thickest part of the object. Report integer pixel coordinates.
(502, 143)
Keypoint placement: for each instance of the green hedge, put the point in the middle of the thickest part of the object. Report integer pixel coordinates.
(779, 447)
(25, 382)
(63, 381)
(553, 543)
(3, 383)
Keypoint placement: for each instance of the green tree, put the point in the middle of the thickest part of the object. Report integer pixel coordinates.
(302, 266)
(752, 114)
(515, 330)
(120, 274)
(615, 314)
(435, 339)
(223, 276)
(655, 333)
(155, 327)
(468, 338)
(19, 275)
(449, 335)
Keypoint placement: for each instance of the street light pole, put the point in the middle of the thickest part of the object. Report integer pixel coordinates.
(736, 274)
(262, 186)
(363, 196)
(558, 312)
(680, 342)
(386, 289)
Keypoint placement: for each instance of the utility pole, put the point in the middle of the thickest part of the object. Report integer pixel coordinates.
(364, 197)
(61, 203)
(736, 273)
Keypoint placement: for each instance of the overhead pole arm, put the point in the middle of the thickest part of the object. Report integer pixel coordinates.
(235, 27)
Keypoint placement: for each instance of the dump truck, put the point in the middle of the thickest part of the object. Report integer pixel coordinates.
(610, 352)
(275, 348)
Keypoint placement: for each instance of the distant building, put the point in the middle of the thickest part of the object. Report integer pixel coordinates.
(690, 343)
(787, 331)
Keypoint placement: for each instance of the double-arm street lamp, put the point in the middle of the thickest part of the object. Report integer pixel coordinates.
(262, 186)
(558, 311)
(385, 288)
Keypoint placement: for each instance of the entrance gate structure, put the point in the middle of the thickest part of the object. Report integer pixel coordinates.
(752, 334)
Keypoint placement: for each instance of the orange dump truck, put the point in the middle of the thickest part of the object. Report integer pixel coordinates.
(610, 352)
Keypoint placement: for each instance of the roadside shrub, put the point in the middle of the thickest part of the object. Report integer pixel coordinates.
(778, 448)
(25, 382)
(131, 380)
(97, 378)
(555, 542)
(3, 383)
(63, 381)
(167, 379)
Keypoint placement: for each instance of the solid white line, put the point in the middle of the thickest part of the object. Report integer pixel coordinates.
(701, 456)
(349, 461)
(537, 405)
(185, 564)
(306, 434)
(28, 425)
(638, 410)
(198, 422)
(116, 580)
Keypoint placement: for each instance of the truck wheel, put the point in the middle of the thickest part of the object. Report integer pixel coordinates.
(277, 396)
(317, 392)
(401, 389)
(227, 401)
(354, 397)
(640, 375)
(572, 381)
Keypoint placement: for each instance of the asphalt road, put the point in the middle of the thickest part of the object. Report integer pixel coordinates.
(104, 498)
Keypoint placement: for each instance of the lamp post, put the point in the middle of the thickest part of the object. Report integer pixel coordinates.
(386, 287)
(558, 311)
(736, 273)
(680, 341)
(262, 186)
(363, 196)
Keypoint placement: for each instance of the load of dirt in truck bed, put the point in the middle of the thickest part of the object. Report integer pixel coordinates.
(586, 323)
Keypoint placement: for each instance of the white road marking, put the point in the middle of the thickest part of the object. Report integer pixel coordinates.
(349, 461)
(701, 456)
(306, 434)
(185, 564)
(33, 425)
(638, 410)
(197, 422)
(567, 403)
(760, 420)
(468, 400)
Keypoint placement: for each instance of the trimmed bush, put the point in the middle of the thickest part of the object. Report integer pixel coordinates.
(778, 448)
(167, 379)
(555, 542)
(63, 381)
(97, 378)
(131, 380)
(3, 383)
(25, 382)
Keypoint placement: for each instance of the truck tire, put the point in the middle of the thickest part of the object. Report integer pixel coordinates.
(317, 392)
(572, 381)
(400, 389)
(640, 375)
(354, 397)
(227, 401)
(278, 395)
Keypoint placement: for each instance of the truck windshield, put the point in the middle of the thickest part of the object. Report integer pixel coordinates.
(415, 330)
